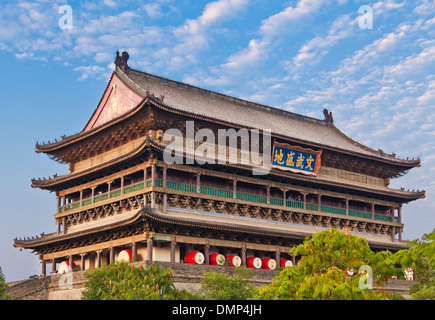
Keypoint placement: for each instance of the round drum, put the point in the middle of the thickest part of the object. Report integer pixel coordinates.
(125, 255)
(253, 263)
(194, 257)
(268, 264)
(234, 260)
(285, 263)
(217, 259)
(64, 267)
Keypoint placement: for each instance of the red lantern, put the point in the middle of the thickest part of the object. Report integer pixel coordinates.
(234, 260)
(285, 263)
(349, 272)
(217, 259)
(125, 255)
(194, 257)
(268, 264)
(64, 267)
(253, 263)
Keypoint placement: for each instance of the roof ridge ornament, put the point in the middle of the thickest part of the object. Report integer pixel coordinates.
(328, 116)
(121, 61)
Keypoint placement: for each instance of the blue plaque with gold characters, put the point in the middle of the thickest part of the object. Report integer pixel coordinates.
(296, 159)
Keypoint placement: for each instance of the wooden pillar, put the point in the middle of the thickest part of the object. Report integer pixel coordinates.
(71, 263)
(172, 258)
(145, 177)
(207, 254)
(58, 226)
(319, 202)
(122, 184)
(268, 194)
(64, 225)
(305, 200)
(98, 258)
(109, 188)
(81, 198)
(111, 254)
(134, 251)
(243, 256)
(284, 197)
(165, 195)
(234, 189)
(93, 193)
(347, 206)
(373, 211)
(59, 203)
(393, 233)
(43, 268)
(277, 257)
(198, 183)
(53, 266)
(150, 249)
(294, 260)
(82, 261)
(153, 184)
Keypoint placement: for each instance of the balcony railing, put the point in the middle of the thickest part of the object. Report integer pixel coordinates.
(226, 194)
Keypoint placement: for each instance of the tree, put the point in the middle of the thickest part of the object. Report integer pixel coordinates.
(321, 272)
(121, 281)
(421, 258)
(3, 287)
(221, 286)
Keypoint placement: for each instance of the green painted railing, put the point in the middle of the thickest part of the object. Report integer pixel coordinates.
(361, 214)
(134, 187)
(332, 210)
(277, 201)
(115, 193)
(216, 192)
(251, 197)
(228, 194)
(101, 197)
(180, 186)
(294, 204)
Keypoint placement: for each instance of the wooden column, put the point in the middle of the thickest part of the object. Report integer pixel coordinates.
(305, 200)
(71, 263)
(294, 260)
(58, 226)
(268, 194)
(234, 189)
(134, 251)
(82, 261)
(319, 202)
(277, 257)
(399, 214)
(111, 254)
(53, 266)
(145, 177)
(64, 225)
(165, 195)
(393, 233)
(172, 258)
(43, 268)
(243, 256)
(98, 258)
(207, 254)
(198, 183)
(153, 184)
(347, 206)
(122, 184)
(93, 194)
(81, 198)
(373, 211)
(284, 197)
(150, 249)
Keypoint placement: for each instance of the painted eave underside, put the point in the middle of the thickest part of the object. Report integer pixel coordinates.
(204, 221)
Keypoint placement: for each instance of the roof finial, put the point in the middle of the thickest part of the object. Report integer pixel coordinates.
(121, 61)
(328, 116)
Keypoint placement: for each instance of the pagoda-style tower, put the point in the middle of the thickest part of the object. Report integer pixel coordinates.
(122, 198)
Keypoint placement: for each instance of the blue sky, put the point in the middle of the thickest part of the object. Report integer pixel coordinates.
(301, 56)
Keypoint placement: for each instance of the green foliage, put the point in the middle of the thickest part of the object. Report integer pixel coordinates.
(321, 272)
(421, 258)
(3, 287)
(221, 286)
(121, 281)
